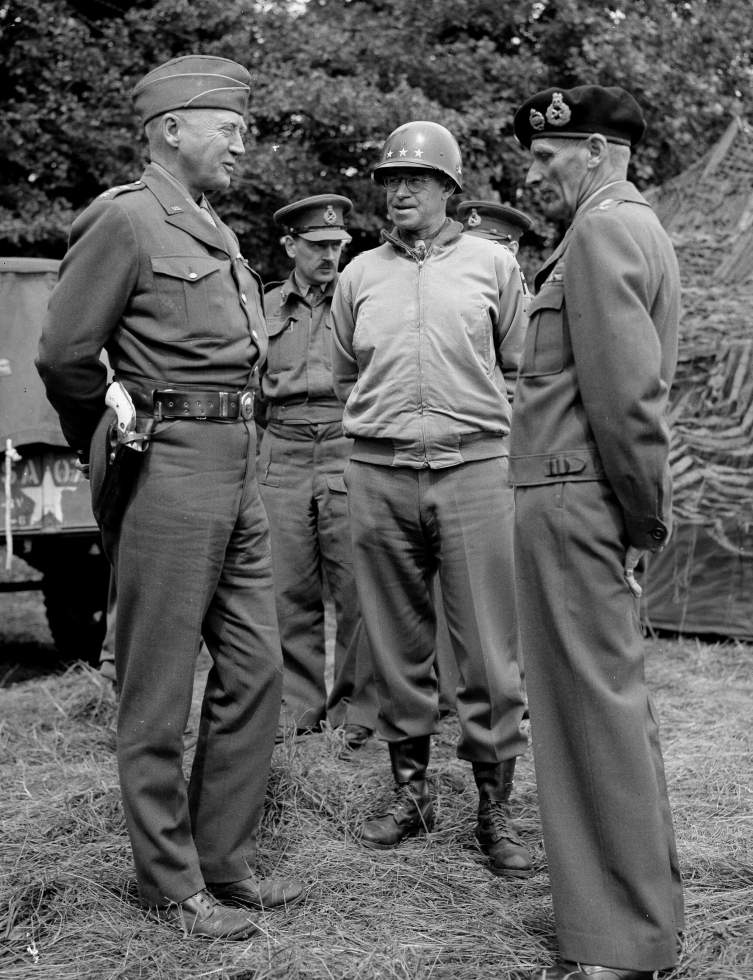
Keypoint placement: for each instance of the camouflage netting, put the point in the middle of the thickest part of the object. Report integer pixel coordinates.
(708, 212)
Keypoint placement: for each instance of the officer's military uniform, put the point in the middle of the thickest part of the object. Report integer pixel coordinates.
(165, 290)
(301, 462)
(589, 463)
(426, 335)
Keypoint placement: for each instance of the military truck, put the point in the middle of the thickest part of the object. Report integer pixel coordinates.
(45, 510)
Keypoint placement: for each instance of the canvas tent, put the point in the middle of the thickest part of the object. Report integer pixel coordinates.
(703, 582)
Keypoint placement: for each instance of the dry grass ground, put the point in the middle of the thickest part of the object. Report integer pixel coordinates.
(429, 909)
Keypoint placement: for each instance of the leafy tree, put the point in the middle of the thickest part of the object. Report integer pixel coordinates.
(331, 79)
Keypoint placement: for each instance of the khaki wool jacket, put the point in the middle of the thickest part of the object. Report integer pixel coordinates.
(168, 296)
(598, 361)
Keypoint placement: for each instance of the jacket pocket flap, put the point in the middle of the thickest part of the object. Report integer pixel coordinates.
(336, 484)
(550, 298)
(188, 267)
(276, 324)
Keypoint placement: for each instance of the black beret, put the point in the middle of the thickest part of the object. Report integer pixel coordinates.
(579, 112)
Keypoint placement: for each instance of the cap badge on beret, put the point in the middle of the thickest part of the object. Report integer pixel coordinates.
(330, 216)
(558, 112)
(536, 120)
(474, 218)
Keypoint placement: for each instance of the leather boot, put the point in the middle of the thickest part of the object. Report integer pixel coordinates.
(411, 811)
(508, 855)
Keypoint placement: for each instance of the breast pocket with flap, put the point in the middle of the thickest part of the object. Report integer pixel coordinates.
(544, 348)
(184, 284)
(287, 342)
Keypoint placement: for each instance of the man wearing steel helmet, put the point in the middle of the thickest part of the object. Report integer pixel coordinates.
(301, 461)
(427, 330)
(589, 461)
(156, 278)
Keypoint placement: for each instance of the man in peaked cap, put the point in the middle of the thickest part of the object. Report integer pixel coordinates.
(497, 222)
(589, 461)
(171, 299)
(301, 462)
(427, 330)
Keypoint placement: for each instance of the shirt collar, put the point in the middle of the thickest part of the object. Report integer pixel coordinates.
(201, 204)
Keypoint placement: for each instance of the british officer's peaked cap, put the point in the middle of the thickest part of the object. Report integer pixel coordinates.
(488, 219)
(580, 112)
(195, 81)
(320, 218)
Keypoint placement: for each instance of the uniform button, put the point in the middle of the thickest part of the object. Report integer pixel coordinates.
(191, 275)
(243, 297)
(658, 534)
(255, 335)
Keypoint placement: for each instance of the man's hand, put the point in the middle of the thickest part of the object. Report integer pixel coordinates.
(632, 559)
(82, 463)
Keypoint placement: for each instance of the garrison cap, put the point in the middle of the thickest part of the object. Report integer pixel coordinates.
(578, 112)
(195, 81)
(488, 219)
(320, 218)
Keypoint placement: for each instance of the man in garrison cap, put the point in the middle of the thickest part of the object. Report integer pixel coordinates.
(172, 300)
(301, 462)
(589, 462)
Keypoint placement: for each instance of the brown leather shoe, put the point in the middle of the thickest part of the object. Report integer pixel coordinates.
(203, 915)
(582, 971)
(411, 813)
(259, 893)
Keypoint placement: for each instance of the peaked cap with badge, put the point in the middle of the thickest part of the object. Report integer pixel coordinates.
(320, 218)
(497, 222)
(579, 112)
(195, 81)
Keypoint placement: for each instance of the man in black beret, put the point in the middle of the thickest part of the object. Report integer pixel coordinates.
(589, 462)
(301, 463)
(155, 277)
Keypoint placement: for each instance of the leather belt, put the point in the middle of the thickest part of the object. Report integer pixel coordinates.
(177, 403)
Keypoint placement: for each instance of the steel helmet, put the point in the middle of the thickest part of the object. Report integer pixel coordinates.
(424, 145)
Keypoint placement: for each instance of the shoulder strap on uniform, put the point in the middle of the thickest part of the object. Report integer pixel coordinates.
(108, 195)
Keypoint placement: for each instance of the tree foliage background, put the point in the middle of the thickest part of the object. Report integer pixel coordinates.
(331, 79)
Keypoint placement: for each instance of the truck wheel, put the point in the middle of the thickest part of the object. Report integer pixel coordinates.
(76, 613)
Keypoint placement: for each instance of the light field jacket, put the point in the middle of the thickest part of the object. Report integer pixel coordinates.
(426, 350)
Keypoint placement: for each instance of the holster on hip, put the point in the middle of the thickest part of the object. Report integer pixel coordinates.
(113, 482)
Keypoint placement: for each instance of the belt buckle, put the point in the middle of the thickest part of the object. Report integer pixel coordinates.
(247, 405)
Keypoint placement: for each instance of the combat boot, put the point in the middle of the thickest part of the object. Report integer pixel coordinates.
(508, 855)
(412, 810)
